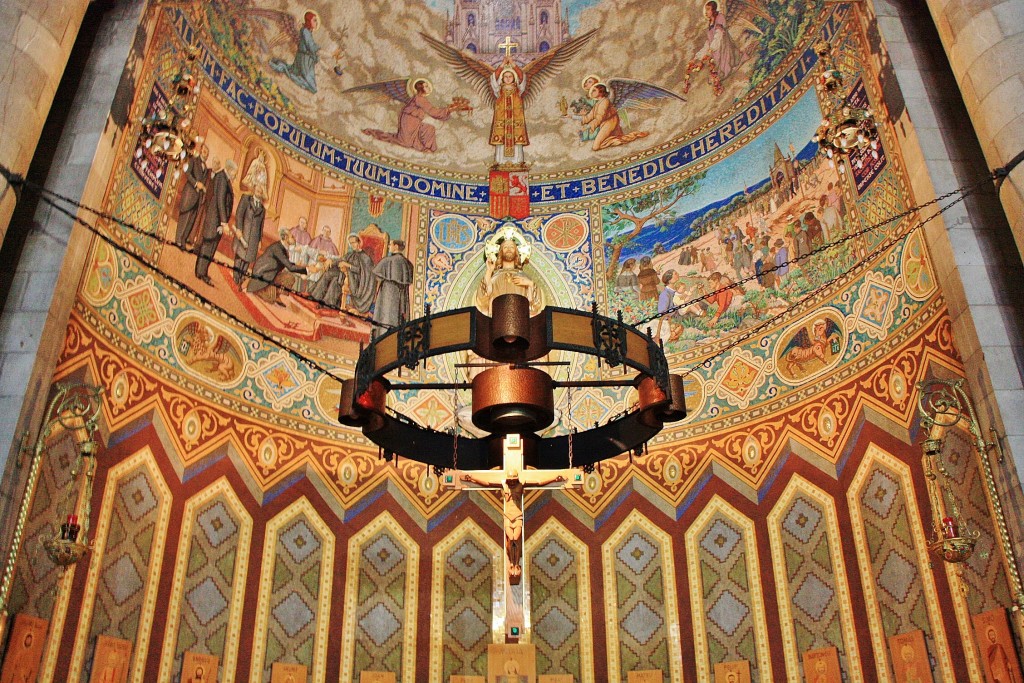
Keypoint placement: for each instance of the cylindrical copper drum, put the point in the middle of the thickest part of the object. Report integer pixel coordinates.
(676, 409)
(507, 399)
(650, 401)
(655, 406)
(510, 322)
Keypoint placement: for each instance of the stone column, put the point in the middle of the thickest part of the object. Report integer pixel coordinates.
(36, 37)
(972, 246)
(984, 40)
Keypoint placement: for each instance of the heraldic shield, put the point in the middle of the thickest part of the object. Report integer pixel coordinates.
(510, 194)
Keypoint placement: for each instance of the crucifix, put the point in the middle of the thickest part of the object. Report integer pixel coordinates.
(513, 480)
(507, 45)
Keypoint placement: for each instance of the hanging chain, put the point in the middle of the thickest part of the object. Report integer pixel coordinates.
(568, 400)
(455, 429)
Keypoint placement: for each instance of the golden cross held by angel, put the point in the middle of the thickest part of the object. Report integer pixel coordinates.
(507, 45)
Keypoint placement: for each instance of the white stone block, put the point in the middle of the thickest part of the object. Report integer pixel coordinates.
(20, 331)
(1004, 368)
(39, 293)
(16, 373)
(1010, 17)
(1011, 408)
(36, 41)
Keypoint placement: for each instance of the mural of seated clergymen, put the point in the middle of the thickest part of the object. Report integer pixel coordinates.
(409, 88)
(278, 243)
(748, 220)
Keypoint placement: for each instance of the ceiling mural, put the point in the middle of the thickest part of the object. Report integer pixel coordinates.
(721, 231)
(346, 167)
(416, 86)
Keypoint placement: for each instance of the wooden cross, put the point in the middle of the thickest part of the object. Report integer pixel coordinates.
(507, 45)
(513, 481)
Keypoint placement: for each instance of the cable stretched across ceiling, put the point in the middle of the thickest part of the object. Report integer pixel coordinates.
(72, 209)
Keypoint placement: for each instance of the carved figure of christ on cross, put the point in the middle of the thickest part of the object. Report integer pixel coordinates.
(513, 481)
(512, 489)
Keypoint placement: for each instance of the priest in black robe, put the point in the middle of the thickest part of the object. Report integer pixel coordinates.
(219, 205)
(249, 220)
(190, 200)
(394, 275)
(328, 289)
(360, 282)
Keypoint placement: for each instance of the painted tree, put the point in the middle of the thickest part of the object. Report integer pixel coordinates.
(645, 212)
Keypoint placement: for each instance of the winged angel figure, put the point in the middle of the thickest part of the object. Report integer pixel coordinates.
(414, 93)
(602, 114)
(817, 345)
(270, 30)
(510, 89)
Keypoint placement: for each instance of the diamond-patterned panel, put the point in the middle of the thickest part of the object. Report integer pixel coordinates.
(802, 520)
(880, 493)
(892, 554)
(293, 614)
(127, 555)
(217, 523)
(555, 587)
(642, 622)
(206, 601)
(554, 559)
(295, 606)
(728, 613)
(637, 553)
(300, 541)
(640, 589)
(897, 577)
(383, 554)
(720, 540)
(984, 571)
(35, 581)
(471, 560)
(209, 579)
(467, 628)
(380, 612)
(468, 597)
(122, 579)
(810, 578)
(379, 624)
(727, 604)
(557, 627)
(813, 596)
(138, 497)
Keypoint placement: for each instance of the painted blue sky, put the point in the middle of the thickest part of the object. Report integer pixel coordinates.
(749, 165)
(744, 169)
(574, 7)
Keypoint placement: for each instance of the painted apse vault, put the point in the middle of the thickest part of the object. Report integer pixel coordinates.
(665, 152)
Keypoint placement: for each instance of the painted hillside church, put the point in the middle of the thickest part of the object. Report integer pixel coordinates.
(479, 25)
